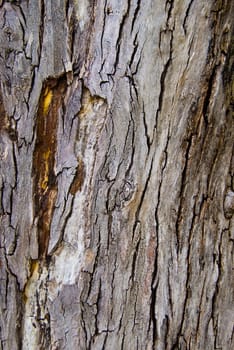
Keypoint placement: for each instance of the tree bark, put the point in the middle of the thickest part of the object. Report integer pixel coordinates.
(117, 187)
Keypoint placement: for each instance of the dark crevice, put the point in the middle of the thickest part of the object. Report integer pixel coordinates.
(15, 166)
(133, 87)
(166, 325)
(188, 291)
(218, 261)
(153, 319)
(186, 17)
(208, 97)
(182, 190)
(105, 166)
(103, 29)
(112, 285)
(73, 32)
(99, 296)
(135, 44)
(121, 30)
(62, 230)
(138, 62)
(93, 274)
(146, 130)
(122, 342)
(142, 198)
(170, 4)
(163, 78)
(135, 14)
(68, 5)
(161, 180)
(41, 27)
(105, 340)
(134, 260)
(127, 172)
(155, 282)
(8, 269)
(170, 298)
(200, 307)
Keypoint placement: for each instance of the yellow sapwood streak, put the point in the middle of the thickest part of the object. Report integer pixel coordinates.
(47, 100)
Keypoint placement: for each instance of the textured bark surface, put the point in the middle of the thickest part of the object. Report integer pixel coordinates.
(117, 187)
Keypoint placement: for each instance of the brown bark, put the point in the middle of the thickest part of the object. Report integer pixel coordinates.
(117, 187)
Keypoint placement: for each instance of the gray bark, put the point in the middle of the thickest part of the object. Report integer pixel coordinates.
(117, 187)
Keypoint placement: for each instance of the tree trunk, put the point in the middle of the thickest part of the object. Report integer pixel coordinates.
(117, 187)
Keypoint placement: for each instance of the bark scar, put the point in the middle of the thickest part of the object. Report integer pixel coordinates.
(45, 184)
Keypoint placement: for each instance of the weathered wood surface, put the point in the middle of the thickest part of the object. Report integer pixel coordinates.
(117, 187)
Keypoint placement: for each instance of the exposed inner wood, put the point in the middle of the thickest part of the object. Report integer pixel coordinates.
(45, 186)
